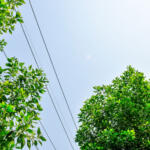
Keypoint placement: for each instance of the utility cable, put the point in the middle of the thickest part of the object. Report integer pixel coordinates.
(5, 54)
(50, 89)
(47, 135)
(36, 148)
(32, 45)
(52, 63)
(47, 87)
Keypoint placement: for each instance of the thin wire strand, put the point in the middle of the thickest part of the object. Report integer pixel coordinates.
(36, 148)
(52, 63)
(5, 54)
(47, 135)
(47, 88)
(38, 67)
(50, 89)
(60, 110)
(32, 45)
(61, 113)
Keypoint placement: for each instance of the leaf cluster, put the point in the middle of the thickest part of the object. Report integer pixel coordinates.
(117, 117)
(20, 94)
(9, 17)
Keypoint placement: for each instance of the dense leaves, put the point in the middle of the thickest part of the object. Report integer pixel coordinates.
(9, 17)
(20, 93)
(117, 117)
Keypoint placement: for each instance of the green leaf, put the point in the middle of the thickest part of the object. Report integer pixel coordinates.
(38, 131)
(30, 131)
(42, 138)
(29, 143)
(35, 143)
(10, 108)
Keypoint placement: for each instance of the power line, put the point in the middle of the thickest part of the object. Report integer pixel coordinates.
(47, 135)
(61, 113)
(52, 63)
(47, 88)
(5, 54)
(39, 120)
(50, 89)
(36, 148)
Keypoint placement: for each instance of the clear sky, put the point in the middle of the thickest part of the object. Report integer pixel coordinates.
(91, 42)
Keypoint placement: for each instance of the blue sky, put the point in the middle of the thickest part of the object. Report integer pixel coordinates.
(91, 42)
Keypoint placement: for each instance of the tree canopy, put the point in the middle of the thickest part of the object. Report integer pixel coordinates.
(9, 17)
(117, 117)
(20, 90)
(20, 94)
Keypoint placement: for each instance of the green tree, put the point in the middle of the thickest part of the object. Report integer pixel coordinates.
(117, 117)
(9, 17)
(20, 90)
(20, 94)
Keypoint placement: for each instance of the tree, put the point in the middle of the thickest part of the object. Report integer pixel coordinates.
(117, 117)
(9, 17)
(20, 90)
(20, 93)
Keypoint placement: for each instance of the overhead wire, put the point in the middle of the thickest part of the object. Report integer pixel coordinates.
(32, 45)
(39, 63)
(51, 90)
(60, 110)
(52, 63)
(5, 54)
(36, 148)
(49, 94)
(47, 135)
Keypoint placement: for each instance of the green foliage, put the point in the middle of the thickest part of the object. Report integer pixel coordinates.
(2, 44)
(20, 94)
(9, 17)
(117, 117)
